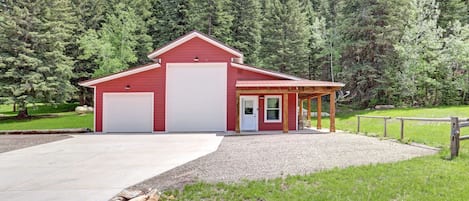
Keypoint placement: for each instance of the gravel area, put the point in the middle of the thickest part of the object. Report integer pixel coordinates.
(13, 142)
(271, 156)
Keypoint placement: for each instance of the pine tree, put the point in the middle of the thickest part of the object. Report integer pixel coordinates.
(115, 46)
(212, 17)
(419, 49)
(246, 28)
(325, 48)
(172, 20)
(369, 29)
(285, 37)
(33, 64)
(91, 15)
(454, 57)
(452, 10)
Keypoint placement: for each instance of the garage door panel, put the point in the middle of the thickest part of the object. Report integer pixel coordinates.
(196, 97)
(128, 112)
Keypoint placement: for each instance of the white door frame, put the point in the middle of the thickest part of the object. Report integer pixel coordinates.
(104, 129)
(256, 110)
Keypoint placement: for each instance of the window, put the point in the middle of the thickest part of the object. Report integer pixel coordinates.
(272, 106)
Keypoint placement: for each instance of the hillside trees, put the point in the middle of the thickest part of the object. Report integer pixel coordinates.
(212, 17)
(405, 52)
(171, 20)
(285, 37)
(246, 28)
(434, 64)
(33, 63)
(117, 44)
(369, 29)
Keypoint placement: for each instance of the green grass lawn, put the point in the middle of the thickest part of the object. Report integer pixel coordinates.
(430, 133)
(60, 116)
(424, 178)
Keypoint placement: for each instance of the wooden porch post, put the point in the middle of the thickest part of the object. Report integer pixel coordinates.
(285, 113)
(309, 112)
(237, 130)
(300, 114)
(318, 114)
(332, 112)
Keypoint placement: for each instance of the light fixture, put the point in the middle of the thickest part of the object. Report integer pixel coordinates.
(196, 59)
(127, 87)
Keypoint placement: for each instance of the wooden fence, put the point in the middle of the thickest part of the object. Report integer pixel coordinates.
(402, 119)
(385, 118)
(456, 125)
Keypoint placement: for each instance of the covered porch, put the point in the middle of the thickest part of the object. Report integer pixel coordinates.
(304, 90)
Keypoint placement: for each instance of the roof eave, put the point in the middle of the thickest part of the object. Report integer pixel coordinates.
(91, 83)
(266, 72)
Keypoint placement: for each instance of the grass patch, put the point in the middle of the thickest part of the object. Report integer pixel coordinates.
(396, 181)
(430, 133)
(60, 116)
(424, 178)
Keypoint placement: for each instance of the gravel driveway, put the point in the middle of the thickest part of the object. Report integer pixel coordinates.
(13, 142)
(270, 156)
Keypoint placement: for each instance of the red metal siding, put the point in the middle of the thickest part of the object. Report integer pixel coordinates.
(155, 81)
(279, 126)
(148, 81)
(196, 47)
(239, 74)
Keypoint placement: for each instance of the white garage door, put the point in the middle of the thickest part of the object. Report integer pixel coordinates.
(127, 112)
(196, 97)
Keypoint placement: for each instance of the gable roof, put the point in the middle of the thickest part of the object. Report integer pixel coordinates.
(190, 36)
(131, 71)
(265, 72)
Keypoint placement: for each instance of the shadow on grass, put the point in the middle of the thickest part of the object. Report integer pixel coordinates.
(38, 109)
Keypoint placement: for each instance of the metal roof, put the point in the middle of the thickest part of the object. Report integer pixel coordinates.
(287, 83)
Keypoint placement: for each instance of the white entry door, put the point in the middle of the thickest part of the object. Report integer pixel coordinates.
(128, 112)
(249, 110)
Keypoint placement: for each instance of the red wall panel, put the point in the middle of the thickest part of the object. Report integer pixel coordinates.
(155, 81)
(148, 81)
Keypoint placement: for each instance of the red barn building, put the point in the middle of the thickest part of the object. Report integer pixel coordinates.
(199, 84)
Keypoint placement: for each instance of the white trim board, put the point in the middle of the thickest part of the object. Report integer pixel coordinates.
(136, 70)
(280, 108)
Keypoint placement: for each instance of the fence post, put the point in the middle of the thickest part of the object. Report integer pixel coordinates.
(454, 147)
(358, 124)
(385, 128)
(402, 129)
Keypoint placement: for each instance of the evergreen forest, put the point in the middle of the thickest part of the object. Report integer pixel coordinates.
(401, 52)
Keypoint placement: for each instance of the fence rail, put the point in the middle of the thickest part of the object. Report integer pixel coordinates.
(402, 119)
(456, 125)
(385, 118)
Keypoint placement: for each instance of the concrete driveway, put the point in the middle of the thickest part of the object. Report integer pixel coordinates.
(95, 167)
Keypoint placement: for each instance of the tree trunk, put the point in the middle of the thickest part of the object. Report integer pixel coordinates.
(14, 107)
(22, 111)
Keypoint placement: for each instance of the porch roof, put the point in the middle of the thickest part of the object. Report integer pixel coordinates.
(286, 83)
